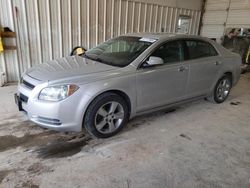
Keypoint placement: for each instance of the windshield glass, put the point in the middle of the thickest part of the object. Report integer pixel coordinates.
(120, 51)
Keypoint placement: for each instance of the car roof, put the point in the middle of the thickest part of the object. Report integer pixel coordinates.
(164, 36)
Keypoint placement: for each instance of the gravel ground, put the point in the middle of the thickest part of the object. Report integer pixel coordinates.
(195, 145)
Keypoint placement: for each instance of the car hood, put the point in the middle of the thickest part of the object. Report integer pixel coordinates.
(67, 67)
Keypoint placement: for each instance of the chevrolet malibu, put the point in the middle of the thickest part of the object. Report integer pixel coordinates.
(125, 77)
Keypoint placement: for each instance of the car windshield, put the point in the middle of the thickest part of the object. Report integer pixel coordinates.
(120, 51)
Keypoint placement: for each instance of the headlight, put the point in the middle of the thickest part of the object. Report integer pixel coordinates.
(57, 93)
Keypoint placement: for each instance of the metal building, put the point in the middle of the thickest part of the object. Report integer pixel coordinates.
(47, 29)
(222, 14)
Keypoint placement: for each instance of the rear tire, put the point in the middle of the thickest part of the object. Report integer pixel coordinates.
(106, 115)
(221, 90)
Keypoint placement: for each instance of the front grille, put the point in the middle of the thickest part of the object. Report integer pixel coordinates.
(27, 84)
(23, 98)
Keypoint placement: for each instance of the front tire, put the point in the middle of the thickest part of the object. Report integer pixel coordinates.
(106, 115)
(221, 90)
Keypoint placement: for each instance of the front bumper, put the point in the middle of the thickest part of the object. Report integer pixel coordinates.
(65, 115)
(18, 102)
(50, 116)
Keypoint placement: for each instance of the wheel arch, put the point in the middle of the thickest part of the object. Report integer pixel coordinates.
(115, 91)
(229, 73)
(123, 95)
(219, 76)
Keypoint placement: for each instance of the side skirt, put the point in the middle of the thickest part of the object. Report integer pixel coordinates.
(171, 105)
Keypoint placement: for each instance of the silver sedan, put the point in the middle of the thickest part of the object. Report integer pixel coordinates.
(125, 77)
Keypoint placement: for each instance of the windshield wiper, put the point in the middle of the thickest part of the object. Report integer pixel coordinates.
(88, 57)
(95, 59)
(101, 61)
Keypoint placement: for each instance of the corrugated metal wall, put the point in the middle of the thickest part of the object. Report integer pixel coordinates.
(222, 14)
(48, 29)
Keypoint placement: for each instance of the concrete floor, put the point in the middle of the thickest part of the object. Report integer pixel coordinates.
(198, 145)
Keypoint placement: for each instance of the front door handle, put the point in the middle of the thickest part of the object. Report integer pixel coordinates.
(182, 68)
(217, 63)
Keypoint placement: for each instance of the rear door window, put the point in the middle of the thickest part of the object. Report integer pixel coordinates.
(200, 49)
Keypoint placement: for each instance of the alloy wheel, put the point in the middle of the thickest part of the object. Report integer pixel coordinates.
(223, 89)
(109, 117)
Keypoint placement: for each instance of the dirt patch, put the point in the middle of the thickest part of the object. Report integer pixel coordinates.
(60, 149)
(170, 110)
(49, 143)
(11, 142)
(28, 184)
(38, 168)
(9, 118)
(148, 118)
(137, 124)
(185, 136)
(35, 168)
(235, 103)
(3, 174)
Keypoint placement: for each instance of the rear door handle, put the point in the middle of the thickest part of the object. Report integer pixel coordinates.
(217, 63)
(182, 68)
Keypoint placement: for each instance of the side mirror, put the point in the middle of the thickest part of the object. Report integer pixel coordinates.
(153, 60)
(79, 50)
